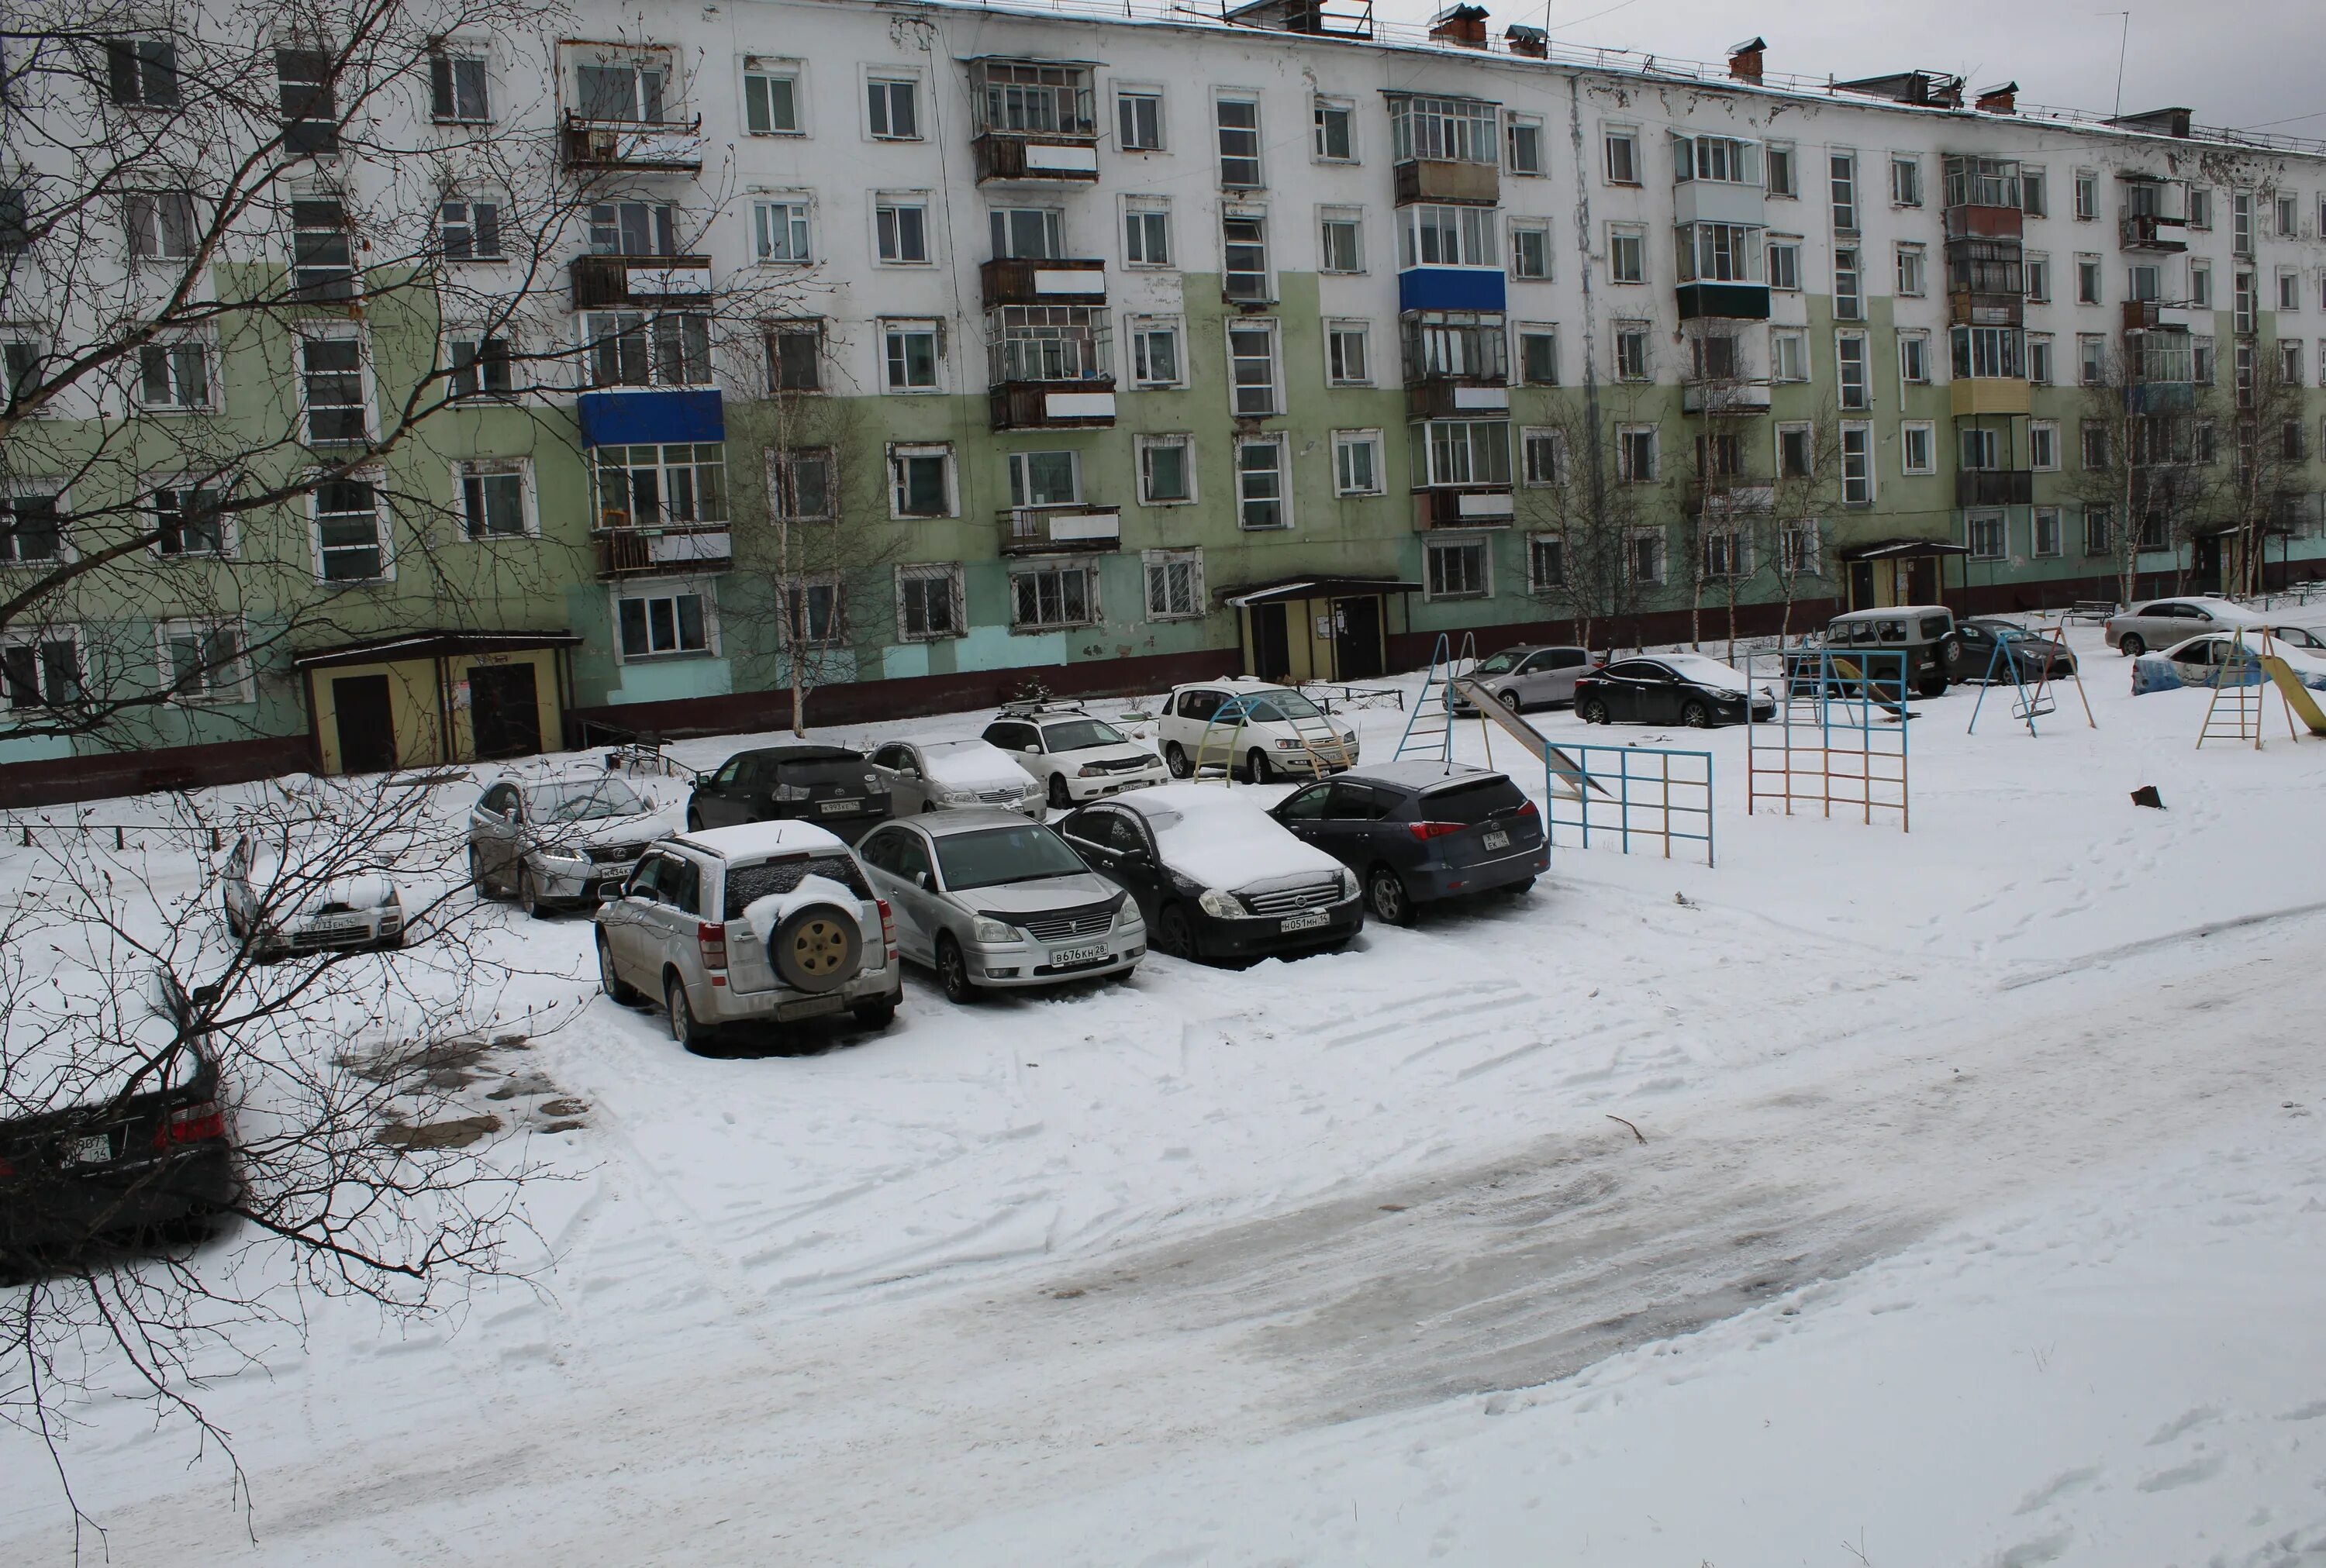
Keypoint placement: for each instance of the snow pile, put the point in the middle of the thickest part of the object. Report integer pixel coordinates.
(764, 914)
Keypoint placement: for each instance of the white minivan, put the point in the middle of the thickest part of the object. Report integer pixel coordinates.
(1256, 726)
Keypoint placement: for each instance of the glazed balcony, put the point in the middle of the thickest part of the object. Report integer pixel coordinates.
(1730, 496)
(662, 551)
(611, 282)
(1061, 529)
(665, 146)
(1455, 397)
(1724, 302)
(1018, 158)
(1718, 396)
(1993, 486)
(2152, 231)
(1014, 281)
(1036, 121)
(1979, 220)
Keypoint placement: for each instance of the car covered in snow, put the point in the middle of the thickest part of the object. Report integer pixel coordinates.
(1073, 755)
(1527, 676)
(1256, 726)
(1418, 832)
(2161, 623)
(764, 923)
(1214, 876)
(934, 775)
(1687, 689)
(289, 889)
(551, 842)
(833, 786)
(987, 899)
(2204, 661)
(112, 1131)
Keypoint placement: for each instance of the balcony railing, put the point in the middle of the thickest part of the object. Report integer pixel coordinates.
(1978, 308)
(1455, 396)
(1060, 530)
(1724, 302)
(2157, 315)
(2152, 231)
(1052, 405)
(605, 281)
(1445, 179)
(1035, 155)
(1993, 486)
(1463, 506)
(1718, 395)
(662, 550)
(1730, 495)
(1977, 221)
(670, 147)
(1013, 281)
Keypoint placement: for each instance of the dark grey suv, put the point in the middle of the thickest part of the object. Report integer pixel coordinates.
(1416, 832)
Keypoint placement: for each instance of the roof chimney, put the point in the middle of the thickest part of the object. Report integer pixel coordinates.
(2001, 99)
(1460, 24)
(1531, 42)
(1744, 60)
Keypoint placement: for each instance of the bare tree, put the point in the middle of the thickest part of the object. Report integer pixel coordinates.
(1805, 490)
(1578, 492)
(1727, 495)
(2140, 448)
(2248, 497)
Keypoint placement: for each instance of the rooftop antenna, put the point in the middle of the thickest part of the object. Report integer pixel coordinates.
(2122, 39)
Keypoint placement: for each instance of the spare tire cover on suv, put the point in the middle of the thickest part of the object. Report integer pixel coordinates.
(815, 937)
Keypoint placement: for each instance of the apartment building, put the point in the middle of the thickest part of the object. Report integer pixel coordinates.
(942, 352)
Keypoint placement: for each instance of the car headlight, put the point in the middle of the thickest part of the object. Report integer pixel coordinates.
(392, 901)
(956, 797)
(565, 854)
(1348, 883)
(1220, 904)
(1087, 770)
(1125, 914)
(993, 931)
(1287, 746)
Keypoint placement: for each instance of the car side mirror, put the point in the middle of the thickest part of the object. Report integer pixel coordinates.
(610, 891)
(1031, 750)
(923, 880)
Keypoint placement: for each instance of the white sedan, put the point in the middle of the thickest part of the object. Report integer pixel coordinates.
(934, 775)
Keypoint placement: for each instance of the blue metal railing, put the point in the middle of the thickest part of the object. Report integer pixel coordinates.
(1630, 792)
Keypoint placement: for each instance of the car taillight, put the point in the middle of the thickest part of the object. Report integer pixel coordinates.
(888, 929)
(711, 937)
(1427, 831)
(190, 1124)
(1526, 808)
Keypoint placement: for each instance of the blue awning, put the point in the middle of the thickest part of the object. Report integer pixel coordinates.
(619, 419)
(1449, 289)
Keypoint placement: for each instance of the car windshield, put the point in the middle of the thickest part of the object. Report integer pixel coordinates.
(1278, 706)
(1501, 663)
(583, 800)
(1077, 734)
(998, 856)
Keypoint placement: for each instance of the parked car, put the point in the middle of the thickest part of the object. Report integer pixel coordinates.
(1074, 756)
(1669, 689)
(2160, 623)
(1416, 832)
(2031, 654)
(554, 841)
(1279, 731)
(1215, 876)
(831, 786)
(928, 776)
(2300, 638)
(289, 892)
(1924, 633)
(764, 923)
(986, 898)
(91, 1150)
(1528, 676)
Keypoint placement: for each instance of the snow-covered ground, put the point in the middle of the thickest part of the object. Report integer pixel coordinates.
(1980, 1219)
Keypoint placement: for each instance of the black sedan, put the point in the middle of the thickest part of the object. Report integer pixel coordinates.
(1417, 832)
(2025, 655)
(1669, 689)
(832, 786)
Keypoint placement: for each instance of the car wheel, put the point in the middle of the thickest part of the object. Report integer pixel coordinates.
(1591, 711)
(1386, 896)
(816, 948)
(952, 973)
(2131, 646)
(1061, 799)
(694, 820)
(477, 882)
(1256, 767)
(1520, 890)
(1931, 686)
(679, 1013)
(1696, 716)
(1175, 757)
(876, 1015)
(612, 984)
(1173, 936)
(1510, 700)
(528, 895)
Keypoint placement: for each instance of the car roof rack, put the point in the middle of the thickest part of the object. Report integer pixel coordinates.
(1036, 707)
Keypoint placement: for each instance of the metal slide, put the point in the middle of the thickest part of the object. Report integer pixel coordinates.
(2298, 696)
(1556, 763)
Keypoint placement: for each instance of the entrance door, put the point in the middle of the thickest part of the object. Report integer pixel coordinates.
(1923, 579)
(2205, 564)
(504, 710)
(366, 723)
(1861, 585)
(1271, 643)
(1357, 638)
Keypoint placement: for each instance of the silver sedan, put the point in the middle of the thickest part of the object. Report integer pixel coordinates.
(941, 775)
(987, 898)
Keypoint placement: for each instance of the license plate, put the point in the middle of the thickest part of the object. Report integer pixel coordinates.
(835, 807)
(1496, 840)
(1078, 955)
(90, 1151)
(1308, 921)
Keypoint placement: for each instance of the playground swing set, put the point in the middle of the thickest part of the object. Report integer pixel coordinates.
(2031, 699)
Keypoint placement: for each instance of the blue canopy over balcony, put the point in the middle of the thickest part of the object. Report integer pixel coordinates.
(626, 416)
(1450, 289)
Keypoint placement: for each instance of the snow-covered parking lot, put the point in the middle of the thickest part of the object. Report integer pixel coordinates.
(1976, 1214)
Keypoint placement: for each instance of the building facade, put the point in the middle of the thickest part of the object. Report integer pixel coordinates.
(911, 356)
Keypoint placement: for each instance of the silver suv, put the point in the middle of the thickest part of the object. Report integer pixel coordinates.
(763, 923)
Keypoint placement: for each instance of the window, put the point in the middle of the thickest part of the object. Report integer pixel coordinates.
(2289, 288)
(1472, 344)
(1856, 463)
(1905, 182)
(1788, 354)
(1155, 357)
(633, 228)
(664, 624)
(350, 536)
(1785, 265)
(1044, 480)
(1914, 358)
(1727, 553)
(909, 356)
(2201, 284)
(1522, 144)
(1724, 159)
(186, 520)
(1461, 452)
(2039, 358)
(1980, 447)
(1175, 584)
(1627, 254)
(331, 390)
(302, 79)
(1045, 597)
(1716, 357)
(2289, 218)
(1546, 562)
(633, 349)
(204, 661)
(2087, 280)
(175, 376)
(1646, 554)
(1849, 360)
(1777, 164)
(1841, 171)
(1632, 350)
(1622, 147)
(2088, 195)
(2038, 271)
(2091, 359)
(2245, 304)
(2097, 530)
(2044, 446)
(1720, 455)
(160, 224)
(900, 230)
(1542, 456)
(2289, 361)
(1538, 353)
(1167, 470)
(457, 85)
(31, 525)
(1028, 233)
(1336, 131)
(928, 602)
(480, 365)
(1341, 240)
(2034, 199)
(2047, 532)
(633, 90)
(1798, 552)
(1139, 119)
(1458, 569)
(493, 501)
(815, 612)
(1448, 236)
(322, 251)
(1848, 287)
(2201, 207)
(1796, 450)
(802, 480)
(2144, 281)
(1985, 352)
(467, 231)
(1244, 238)
(796, 356)
(920, 481)
(2095, 434)
(1636, 454)
(653, 486)
(1251, 368)
(1986, 535)
(1237, 123)
(1917, 448)
(2241, 223)
(142, 73)
(1912, 274)
(1262, 493)
(1447, 130)
(1348, 353)
(893, 108)
(40, 669)
(1720, 253)
(780, 231)
(1531, 250)
(1357, 462)
(771, 95)
(1146, 231)
(20, 360)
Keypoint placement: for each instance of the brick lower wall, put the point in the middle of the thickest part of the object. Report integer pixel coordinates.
(62, 780)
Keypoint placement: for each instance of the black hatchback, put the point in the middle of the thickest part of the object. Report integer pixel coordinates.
(1669, 689)
(1417, 832)
(832, 786)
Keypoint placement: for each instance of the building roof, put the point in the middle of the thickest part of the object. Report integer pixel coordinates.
(431, 644)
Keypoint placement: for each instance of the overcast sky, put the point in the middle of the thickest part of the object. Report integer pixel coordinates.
(2236, 62)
